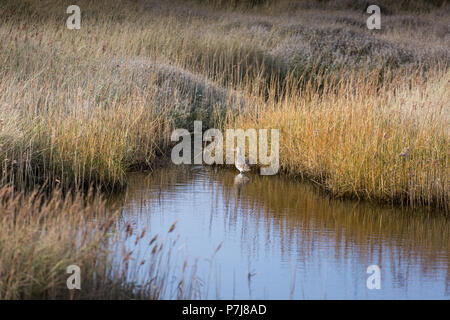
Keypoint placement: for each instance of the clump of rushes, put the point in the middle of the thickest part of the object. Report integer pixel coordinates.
(359, 139)
(41, 235)
(40, 238)
(83, 146)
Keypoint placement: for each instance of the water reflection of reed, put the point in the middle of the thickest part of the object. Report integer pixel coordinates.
(299, 219)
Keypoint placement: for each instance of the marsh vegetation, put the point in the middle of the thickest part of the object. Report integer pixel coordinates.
(362, 113)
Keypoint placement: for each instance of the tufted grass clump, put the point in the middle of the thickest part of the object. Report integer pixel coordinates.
(358, 140)
(42, 234)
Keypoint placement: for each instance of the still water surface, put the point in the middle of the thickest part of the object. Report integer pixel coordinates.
(282, 239)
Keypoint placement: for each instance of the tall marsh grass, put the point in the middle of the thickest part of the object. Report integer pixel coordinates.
(83, 107)
(41, 235)
(359, 139)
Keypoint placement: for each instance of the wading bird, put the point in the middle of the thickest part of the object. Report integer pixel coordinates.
(241, 162)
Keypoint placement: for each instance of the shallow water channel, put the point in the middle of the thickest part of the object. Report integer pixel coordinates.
(270, 237)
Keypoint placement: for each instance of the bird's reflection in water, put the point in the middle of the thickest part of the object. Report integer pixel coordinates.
(239, 182)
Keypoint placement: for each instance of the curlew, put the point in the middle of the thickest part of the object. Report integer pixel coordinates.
(241, 163)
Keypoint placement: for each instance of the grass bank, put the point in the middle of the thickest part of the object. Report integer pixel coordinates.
(83, 107)
(359, 140)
